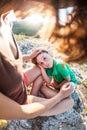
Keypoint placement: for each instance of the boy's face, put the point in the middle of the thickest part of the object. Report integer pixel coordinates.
(45, 60)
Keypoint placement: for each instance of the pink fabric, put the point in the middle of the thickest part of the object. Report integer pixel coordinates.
(25, 80)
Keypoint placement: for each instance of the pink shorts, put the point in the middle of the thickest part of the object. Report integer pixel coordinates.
(26, 84)
(25, 79)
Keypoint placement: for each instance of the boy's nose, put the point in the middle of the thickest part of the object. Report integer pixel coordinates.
(46, 63)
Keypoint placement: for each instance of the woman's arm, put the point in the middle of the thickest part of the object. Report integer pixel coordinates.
(32, 55)
(26, 57)
(9, 109)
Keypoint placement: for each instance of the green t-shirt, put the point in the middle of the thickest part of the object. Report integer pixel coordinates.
(60, 71)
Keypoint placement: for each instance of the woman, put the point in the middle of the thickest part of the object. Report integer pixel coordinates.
(14, 101)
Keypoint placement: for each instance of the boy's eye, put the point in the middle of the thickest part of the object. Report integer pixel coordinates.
(41, 63)
(44, 58)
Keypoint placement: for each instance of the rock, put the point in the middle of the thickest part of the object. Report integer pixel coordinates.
(70, 120)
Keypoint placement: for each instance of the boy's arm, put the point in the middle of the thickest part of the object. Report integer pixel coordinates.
(59, 85)
(46, 78)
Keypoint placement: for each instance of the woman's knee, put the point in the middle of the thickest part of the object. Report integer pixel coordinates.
(32, 74)
(37, 70)
(38, 81)
(70, 102)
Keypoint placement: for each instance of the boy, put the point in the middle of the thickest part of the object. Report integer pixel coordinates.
(55, 73)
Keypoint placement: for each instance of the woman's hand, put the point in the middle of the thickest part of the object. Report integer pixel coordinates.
(66, 90)
(32, 55)
(36, 52)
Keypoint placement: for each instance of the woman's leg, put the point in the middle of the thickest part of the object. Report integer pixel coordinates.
(32, 73)
(48, 92)
(36, 86)
(33, 76)
(61, 107)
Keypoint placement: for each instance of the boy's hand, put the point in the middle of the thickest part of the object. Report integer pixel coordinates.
(54, 84)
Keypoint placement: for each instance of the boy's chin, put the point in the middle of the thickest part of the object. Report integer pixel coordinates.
(50, 67)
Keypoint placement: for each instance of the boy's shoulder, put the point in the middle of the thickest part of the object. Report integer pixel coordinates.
(58, 62)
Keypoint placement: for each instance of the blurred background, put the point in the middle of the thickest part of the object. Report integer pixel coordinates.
(62, 22)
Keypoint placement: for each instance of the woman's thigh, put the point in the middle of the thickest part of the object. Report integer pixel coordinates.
(59, 108)
(32, 73)
(48, 92)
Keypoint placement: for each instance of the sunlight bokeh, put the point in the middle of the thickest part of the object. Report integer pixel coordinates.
(35, 18)
(11, 16)
(63, 14)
